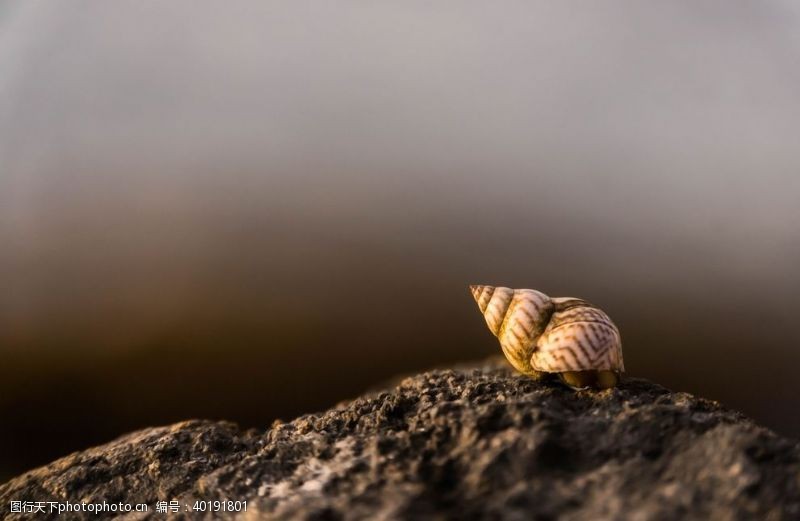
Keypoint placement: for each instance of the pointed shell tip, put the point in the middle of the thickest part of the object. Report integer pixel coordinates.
(476, 290)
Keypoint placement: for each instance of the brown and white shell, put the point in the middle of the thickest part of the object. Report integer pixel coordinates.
(552, 335)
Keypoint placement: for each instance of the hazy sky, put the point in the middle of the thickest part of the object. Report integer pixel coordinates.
(658, 139)
(675, 121)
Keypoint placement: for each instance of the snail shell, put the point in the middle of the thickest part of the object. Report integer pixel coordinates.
(539, 334)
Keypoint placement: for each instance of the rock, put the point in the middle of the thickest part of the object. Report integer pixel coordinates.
(450, 444)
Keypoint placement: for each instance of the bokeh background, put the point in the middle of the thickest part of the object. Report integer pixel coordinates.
(251, 210)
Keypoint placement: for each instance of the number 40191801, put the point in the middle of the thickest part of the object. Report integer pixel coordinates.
(220, 506)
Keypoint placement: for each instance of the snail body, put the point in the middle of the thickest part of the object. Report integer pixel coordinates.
(539, 334)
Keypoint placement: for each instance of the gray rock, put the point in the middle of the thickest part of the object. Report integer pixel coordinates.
(452, 444)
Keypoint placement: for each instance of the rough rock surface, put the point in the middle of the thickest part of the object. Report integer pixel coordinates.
(452, 444)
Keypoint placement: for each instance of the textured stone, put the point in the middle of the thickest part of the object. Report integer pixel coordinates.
(453, 444)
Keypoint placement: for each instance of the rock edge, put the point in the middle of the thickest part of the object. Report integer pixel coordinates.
(479, 443)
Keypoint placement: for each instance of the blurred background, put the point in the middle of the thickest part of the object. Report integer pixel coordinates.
(252, 210)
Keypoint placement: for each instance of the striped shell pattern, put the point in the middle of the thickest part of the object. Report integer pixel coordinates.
(553, 335)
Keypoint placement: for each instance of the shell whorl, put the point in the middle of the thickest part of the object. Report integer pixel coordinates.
(539, 333)
(517, 317)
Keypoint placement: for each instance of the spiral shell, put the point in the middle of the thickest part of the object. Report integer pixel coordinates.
(539, 334)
